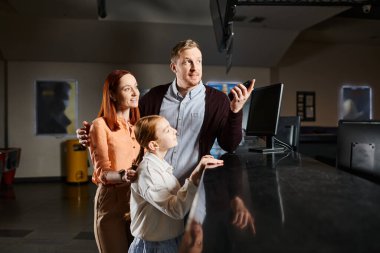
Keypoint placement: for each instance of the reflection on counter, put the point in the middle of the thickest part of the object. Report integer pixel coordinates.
(219, 206)
(280, 203)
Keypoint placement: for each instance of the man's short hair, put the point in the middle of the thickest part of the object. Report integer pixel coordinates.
(183, 45)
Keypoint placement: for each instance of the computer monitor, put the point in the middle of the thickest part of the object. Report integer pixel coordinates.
(263, 116)
(358, 149)
(288, 131)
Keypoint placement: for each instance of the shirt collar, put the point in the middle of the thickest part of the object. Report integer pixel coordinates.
(123, 122)
(191, 94)
(161, 164)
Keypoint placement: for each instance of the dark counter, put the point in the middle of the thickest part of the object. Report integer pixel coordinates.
(298, 205)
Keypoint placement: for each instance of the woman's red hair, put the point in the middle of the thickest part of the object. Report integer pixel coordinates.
(108, 107)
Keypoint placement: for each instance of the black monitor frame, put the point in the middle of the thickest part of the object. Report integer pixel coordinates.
(263, 116)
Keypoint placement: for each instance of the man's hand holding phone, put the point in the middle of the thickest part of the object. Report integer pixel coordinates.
(239, 95)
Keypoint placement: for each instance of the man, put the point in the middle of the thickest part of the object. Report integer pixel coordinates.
(199, 113)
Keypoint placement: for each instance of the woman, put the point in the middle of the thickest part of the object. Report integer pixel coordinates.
(113, 148)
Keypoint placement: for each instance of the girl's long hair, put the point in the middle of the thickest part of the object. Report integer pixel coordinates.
(108, 107)
(145, 131)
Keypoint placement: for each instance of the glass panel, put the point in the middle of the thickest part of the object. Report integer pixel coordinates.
(355, 102)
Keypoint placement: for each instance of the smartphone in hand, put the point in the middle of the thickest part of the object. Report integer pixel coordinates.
(246, 84)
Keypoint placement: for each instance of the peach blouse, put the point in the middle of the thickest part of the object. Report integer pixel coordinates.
(111, 150)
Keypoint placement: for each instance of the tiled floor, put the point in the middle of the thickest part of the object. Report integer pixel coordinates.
(47, 217)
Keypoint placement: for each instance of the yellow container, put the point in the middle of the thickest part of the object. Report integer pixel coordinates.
(76, 162)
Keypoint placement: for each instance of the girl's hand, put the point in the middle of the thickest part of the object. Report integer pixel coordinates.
(209, 162)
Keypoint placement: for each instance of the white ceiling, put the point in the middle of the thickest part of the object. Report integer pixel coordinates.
(143, 31)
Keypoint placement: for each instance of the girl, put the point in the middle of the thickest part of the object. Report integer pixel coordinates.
(113, 147)
(158, 202)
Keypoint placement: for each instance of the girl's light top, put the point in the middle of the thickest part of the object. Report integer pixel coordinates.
(158, 202)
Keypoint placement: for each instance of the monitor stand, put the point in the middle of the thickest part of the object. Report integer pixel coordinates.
(269, 148)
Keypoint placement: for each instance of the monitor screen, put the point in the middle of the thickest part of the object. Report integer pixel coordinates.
(358, 149)
(264, 112)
